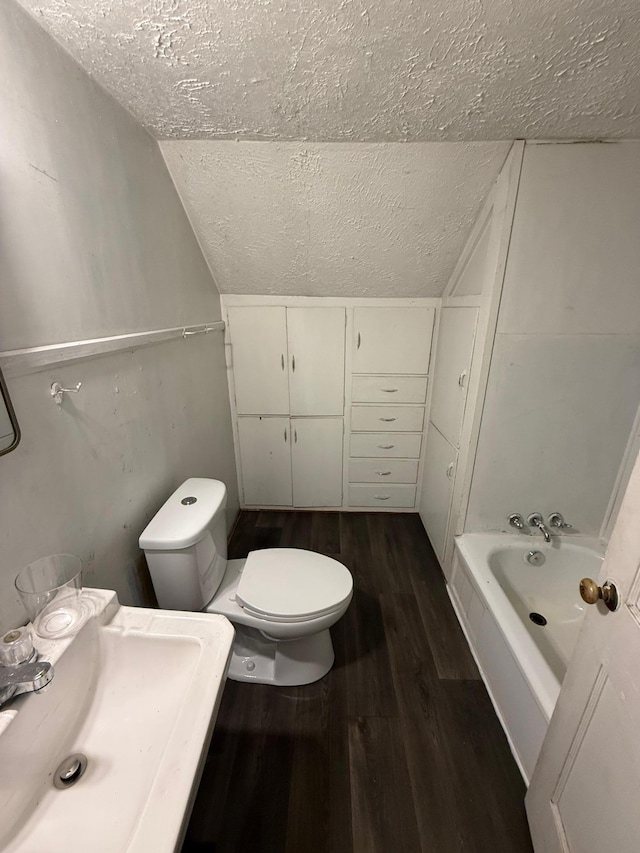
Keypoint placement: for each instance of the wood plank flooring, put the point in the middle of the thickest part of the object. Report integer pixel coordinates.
(397, 750)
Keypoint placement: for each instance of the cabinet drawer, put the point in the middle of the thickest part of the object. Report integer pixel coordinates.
(385, 444)
(389, 389)
(388, 418)
(384, 496)
(383, 470)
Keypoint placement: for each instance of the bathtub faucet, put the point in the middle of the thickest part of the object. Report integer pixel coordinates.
(536, 520)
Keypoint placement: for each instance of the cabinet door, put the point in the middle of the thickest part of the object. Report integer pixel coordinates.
(392, 340)
(451, 373)
(259, 357)
(265, 457)
(437, 486)
(316, 454)
(316, 360)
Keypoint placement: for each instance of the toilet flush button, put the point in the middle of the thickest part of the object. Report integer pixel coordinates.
(250, 665)
(188, 501)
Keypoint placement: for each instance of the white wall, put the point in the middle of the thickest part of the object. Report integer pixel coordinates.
(94, 241)
(564, 384)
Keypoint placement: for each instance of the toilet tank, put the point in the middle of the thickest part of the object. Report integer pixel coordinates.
(185, 544)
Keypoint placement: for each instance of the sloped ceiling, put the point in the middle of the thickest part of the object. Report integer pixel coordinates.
(305, 214)
(361, 70)
(310, 219)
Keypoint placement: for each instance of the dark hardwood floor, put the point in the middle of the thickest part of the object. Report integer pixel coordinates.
(397, 750)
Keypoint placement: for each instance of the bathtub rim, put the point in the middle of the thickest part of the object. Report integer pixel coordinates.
(474, 550)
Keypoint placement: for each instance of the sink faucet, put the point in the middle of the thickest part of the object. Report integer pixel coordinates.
(536, 520)
(23, 678)
(22, 672)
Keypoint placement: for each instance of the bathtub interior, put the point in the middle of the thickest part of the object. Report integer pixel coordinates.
(549, 590)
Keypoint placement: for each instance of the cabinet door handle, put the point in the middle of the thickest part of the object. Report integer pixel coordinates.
(462, 378)
(450, 467)
(285, 434)
(282, 360)
(293, 363)
(382, 497)
(386, 446)
(359, 340)
(387, 420)
(383, 473)
(295, 436)
(389, 390)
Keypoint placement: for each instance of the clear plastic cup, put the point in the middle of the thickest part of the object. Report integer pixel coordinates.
(51, 591)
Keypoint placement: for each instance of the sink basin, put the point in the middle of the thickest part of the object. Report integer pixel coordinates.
(137, 692)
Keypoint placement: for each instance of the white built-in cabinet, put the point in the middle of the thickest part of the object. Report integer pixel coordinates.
(265, 457)
(288, 378)
(260, 358)
(316, 456)
(461, 364)
(440, 463)
(392, 340)
(451, 377)
(390, 353)
(451, 373)
(288, 361)
(291, 461)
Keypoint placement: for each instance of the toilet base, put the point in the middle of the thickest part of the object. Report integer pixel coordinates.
(286, 663)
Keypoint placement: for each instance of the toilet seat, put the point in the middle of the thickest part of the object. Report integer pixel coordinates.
(292, 585)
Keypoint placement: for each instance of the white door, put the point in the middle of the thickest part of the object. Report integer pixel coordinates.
(265, 457)
(584, 791)
(316, 360)
(317, 461)
(392, 340)
(437, 486)
(451, 372)
(259, 357)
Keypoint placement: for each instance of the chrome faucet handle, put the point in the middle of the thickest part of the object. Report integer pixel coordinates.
(556, 520)
(516, 520)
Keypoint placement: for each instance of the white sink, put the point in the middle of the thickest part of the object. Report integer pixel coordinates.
(137, 691)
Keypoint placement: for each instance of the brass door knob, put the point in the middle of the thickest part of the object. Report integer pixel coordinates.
(590, 593)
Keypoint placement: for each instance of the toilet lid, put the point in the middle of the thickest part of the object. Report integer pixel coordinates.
(289, 583)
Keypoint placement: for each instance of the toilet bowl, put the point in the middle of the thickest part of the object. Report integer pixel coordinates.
(281, 601)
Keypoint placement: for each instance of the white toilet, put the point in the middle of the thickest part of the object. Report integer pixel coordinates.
(281, 601)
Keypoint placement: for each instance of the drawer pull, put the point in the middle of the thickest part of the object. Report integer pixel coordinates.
(282, 361)
(382, 497)
(450, 467)
(387, 420)
(383, 473)
(389, 390)
(359, 340)
(386, 446)
(462, 378)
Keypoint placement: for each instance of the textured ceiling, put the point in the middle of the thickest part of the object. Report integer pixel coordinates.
(365, 70)
(327, 219)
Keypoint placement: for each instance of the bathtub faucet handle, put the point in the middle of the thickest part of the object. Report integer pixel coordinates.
(516, 520)
(556, 520)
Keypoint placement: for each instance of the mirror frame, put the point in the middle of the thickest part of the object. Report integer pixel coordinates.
(12, 416)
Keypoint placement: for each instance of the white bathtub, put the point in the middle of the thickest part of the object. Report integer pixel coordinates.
(494, 589)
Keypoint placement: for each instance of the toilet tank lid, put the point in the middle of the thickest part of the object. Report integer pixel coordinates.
(180, 522)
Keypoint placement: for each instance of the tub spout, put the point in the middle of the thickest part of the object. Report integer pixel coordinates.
(536, 520)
